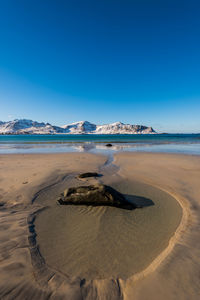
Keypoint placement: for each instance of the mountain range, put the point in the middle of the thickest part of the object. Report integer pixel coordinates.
(24, 126)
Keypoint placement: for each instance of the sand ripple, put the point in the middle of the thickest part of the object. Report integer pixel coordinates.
(107, 242)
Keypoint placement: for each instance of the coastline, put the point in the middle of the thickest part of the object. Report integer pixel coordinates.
(174, 143)
(131, 288)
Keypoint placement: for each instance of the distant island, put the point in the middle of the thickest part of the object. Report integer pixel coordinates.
(24, 126)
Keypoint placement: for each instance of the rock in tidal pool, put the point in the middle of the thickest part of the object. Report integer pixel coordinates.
(89, 174)
(95, 195)
(108, 145)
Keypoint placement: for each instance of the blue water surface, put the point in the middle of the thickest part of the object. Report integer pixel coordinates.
(172, 143)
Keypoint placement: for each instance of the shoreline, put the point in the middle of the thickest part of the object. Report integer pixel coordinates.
(190, 149)
(126, 287)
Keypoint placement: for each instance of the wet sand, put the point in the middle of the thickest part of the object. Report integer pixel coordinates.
(175, 273)
(172, 271)
(106, 242)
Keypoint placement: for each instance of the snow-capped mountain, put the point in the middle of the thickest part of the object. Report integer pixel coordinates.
(120, 128)
(114, 128)
(80, 127)
(24, 126)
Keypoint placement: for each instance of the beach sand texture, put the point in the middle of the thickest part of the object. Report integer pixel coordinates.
(106, 242)
(27, 180)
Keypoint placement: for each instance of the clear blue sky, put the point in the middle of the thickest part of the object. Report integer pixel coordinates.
(101, 60)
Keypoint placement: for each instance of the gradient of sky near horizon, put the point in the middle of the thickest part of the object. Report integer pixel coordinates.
(103, 61)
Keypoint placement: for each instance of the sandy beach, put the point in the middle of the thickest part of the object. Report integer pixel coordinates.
(49, 252)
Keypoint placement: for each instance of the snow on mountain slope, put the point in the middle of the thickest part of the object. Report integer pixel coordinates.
(80, 127)
(120, 128)
(24, 126)
(114, 128)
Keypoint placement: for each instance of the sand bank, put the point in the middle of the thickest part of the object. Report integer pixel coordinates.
(174, 274)
(21, 177)
(24, 272)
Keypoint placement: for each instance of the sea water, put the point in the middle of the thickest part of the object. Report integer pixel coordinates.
(175, 143)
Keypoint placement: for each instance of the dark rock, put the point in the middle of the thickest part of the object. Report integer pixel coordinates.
(96, 195)
(108, 145)
(88, 174)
